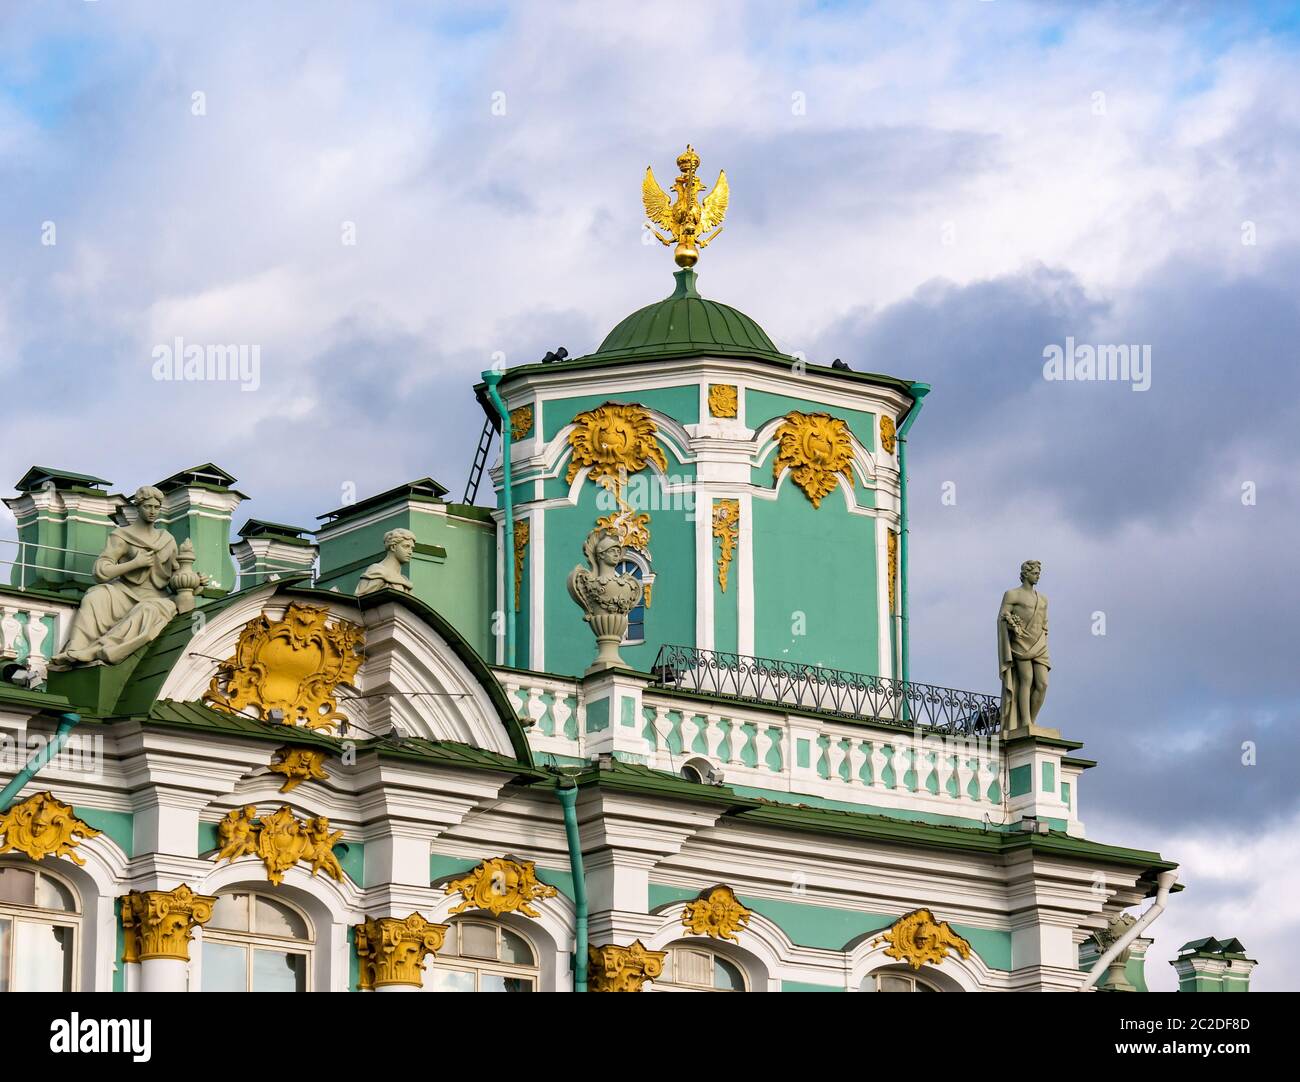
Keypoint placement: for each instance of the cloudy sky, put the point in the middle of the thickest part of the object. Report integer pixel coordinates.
(939, 192)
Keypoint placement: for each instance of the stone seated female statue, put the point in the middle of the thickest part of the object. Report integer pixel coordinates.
(130, 605)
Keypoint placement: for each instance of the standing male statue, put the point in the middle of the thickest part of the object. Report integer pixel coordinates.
(1022, 649)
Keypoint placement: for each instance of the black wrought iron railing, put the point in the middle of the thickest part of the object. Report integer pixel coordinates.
(824, 690)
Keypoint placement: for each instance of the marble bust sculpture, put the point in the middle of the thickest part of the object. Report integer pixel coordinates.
(387, 573)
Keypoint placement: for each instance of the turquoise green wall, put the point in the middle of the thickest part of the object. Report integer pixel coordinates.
(681, 403)
(820, 562)
(453, 570)
(120, 826)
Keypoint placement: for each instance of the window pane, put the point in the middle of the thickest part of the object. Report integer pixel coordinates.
(272, 918)
(42, 957)
(231, 911)
(278, 971)
(6, 946)
(17, 885)
(727, 976)
(450, 946)
(514, 948)
(499, 982)
(478, 941)
(225, 967)
(51, 894)
(446, 980)
(693, 968)
(895, 984)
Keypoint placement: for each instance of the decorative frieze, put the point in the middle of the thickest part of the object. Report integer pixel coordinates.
(501, 885)
(160, 924)
(43, 826)
(623, 969)
(392, 950)
(281, 840)
(918, 939)
(717, 913)
(288, 669)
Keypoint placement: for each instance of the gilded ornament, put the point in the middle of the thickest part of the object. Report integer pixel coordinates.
(632, 527)
(521, 422)
(887, 433)
(281, 840)
(43, 826)
(293, 665)
(623, 969)
(726, 528)
(298, 765)
(891, 547)
(160, 923)
(723, 400)
(717, 913)
(690, 224)
(918, 939)
(815, 447)
(501, 885)
(614, 441)
(392, 950)
(523, 528)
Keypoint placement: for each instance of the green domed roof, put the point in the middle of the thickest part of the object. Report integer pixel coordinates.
(685, 324)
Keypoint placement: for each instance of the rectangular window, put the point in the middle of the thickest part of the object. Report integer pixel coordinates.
(42, 957)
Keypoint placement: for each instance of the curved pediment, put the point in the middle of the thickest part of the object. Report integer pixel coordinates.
(347, 667)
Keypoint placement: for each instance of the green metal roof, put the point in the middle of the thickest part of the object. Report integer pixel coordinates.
(685, 324)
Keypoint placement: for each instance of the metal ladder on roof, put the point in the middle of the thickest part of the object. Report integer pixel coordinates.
(480, 463)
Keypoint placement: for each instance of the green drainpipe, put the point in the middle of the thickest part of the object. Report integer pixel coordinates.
(568, 795)
(34, 765)
(508, 509)
(918, 392)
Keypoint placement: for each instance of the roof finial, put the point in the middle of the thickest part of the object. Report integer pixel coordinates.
(690, 223)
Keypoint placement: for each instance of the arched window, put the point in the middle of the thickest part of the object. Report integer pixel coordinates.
(478, 956)
(890, 980)
(255, 944)
(39, 925)
(635, 563)
(696, 969)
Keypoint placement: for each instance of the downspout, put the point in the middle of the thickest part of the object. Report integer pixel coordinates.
(918, 392)
(1164, 882)
(492, 378)
(568, 796)
(67, 723)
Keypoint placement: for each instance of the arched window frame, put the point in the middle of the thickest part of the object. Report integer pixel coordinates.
(12, 914)
(670, 981)
(641, 566)
(459, 962)
(874, 980)
(252, 939)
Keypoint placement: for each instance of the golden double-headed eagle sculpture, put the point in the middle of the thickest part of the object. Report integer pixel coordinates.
(690, 223)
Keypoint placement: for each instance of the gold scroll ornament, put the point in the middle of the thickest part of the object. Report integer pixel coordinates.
(43, 826)
(523, 530)
(623, 969)
(521, 422)
(717, 913)
(501, 885)
(918, 939)
(392, 950)
(281, 840)
(726, 528)
(161, 923)
(298, 765)
(293, 664)
(613, 441)
(815, 447)
(887, 433)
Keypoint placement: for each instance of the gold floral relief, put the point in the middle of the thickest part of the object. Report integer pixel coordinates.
(724, 400)
(716, 913)
(523, 532)
(43, 826)
(614, 441)
(726, 529)
(298, 765)
(887, 434)
(891, 547)
(632, 528)
(815, 448)
(918, 939)
(521, 422)
(293, 665)
(501, 885)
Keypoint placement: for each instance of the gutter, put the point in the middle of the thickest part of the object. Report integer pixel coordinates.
(1164, 883)
(492, 379)
(37, 762)
(568, 797)
(918, 392)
